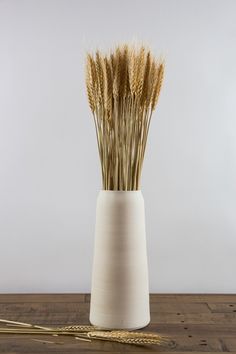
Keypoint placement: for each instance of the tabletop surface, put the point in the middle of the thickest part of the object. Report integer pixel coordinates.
(196, 323)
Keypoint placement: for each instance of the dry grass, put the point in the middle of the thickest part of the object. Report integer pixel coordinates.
(123, 90)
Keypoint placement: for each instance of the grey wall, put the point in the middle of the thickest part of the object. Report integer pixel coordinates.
(49, 167)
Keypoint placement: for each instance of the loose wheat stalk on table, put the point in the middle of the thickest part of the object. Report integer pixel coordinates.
(123, 88)
(84, 333)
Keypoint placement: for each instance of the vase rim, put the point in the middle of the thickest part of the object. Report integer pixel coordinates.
(115, 191)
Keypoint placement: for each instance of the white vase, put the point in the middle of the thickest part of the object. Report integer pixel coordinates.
(120, 290)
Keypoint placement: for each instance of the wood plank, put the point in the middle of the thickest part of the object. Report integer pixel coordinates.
(49, 318)
(230, 343)
(71, 345)
(5, 298)
(175, 298)
(186, 298)
(195, 318)
(222, 307)
(44, 307)
(209, 330)
(179, 308)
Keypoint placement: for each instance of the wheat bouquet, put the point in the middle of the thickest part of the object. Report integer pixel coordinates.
(123, 88)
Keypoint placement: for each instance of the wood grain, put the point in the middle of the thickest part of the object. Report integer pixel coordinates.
(197, 323)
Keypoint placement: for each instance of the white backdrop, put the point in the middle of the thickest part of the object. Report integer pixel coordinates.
(49, 167)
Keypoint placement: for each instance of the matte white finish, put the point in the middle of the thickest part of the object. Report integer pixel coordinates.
(49, 165)
(120, 293)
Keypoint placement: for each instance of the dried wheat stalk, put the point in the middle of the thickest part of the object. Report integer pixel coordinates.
(84, 332)
(123, 90)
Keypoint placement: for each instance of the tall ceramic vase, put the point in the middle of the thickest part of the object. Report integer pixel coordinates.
(120, 290)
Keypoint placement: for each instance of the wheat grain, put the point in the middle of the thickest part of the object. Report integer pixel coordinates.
(157, 87)
(128, 337)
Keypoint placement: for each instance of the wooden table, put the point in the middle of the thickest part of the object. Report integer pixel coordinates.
(197, 323)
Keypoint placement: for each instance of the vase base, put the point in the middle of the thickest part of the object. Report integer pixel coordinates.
(120, 327)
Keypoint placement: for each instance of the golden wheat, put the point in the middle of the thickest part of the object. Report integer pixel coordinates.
(129, 337)
(123, 88)
(85, 332)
